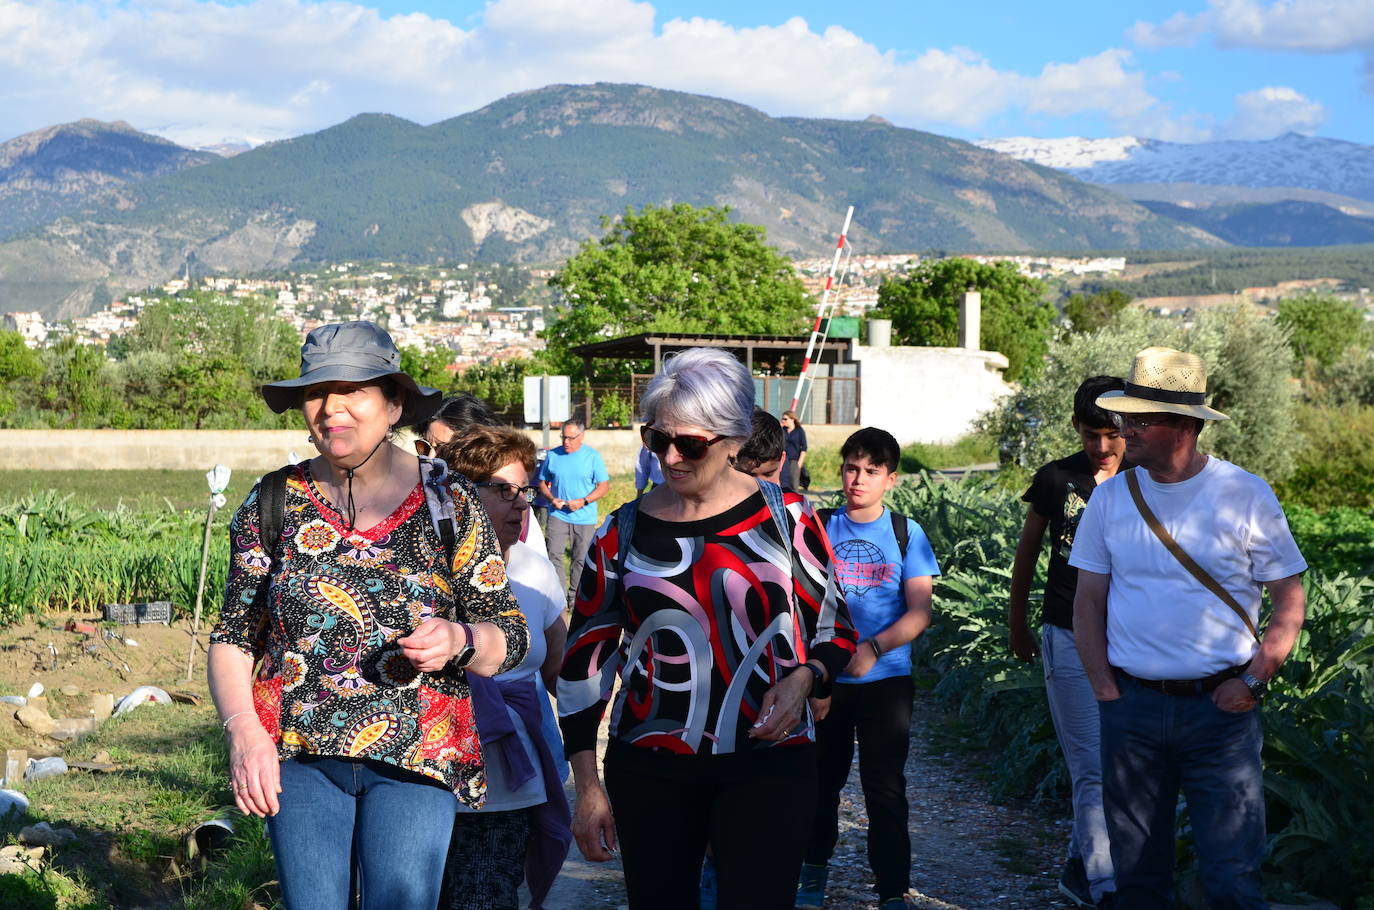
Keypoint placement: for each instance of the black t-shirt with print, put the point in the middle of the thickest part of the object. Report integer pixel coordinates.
(1060, 492)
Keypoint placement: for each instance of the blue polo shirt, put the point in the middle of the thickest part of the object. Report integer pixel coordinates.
(573, 475)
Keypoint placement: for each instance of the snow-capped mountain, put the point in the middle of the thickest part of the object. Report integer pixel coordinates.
(1291, 160)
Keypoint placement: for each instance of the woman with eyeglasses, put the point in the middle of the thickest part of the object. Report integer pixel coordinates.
(719, 615)
(523, 827)
(456, 414)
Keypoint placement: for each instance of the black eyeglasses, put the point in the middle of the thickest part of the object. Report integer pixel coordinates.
(509, 491)
(692, 448)
(1140, 424)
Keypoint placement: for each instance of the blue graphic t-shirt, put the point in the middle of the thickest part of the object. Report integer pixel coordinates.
(573, 475)
(870, 571)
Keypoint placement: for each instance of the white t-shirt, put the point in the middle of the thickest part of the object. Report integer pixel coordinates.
(1161, 622)
(534, 582)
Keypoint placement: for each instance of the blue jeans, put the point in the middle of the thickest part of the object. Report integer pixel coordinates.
(1154, 744)
(1073, 708)
(346, 821)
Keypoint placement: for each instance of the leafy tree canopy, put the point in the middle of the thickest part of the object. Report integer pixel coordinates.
(246, 332)
(1322, 328)
(674, 269)
(1015, 320)
(1248, 379)
(1096, 310)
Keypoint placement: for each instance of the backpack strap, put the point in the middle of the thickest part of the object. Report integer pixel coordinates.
(272, 508)
(439, 498)
(772, 494)
(900, 531)
(823, 516)
(624, 534)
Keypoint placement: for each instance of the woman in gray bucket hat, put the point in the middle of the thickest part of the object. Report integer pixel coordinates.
(377, 588)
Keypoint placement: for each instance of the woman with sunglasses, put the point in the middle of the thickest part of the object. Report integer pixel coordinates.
(523, 827)
(456, 414)
(724, 620)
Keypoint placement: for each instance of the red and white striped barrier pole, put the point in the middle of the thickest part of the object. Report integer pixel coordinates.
(820, 311)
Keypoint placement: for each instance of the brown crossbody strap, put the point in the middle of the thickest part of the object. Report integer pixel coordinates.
(1197, 571)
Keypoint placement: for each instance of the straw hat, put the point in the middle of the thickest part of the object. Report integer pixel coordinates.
(1163, 380)
(351, 352)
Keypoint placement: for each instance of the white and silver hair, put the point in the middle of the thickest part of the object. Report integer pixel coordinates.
(703, 387)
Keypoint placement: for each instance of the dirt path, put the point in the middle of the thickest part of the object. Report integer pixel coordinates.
(967, 853)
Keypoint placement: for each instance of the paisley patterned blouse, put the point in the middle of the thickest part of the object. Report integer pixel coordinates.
(331, 680)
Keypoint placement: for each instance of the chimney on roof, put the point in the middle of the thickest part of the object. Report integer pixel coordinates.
(970, 319)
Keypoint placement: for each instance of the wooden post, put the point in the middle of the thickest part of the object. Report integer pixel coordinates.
(200, 586)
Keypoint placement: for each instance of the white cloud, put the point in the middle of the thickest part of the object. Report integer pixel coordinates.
(1272, 111)
(201, 71)
(1314, 26)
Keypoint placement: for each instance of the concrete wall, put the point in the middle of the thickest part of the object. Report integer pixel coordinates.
(253, 451)
(927, 394)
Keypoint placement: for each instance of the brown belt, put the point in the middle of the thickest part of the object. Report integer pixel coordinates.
(1184, 687)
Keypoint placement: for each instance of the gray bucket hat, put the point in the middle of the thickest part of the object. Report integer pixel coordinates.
(351, 352)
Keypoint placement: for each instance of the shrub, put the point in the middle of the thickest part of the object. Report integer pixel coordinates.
(1335, 465)
(1248, 378)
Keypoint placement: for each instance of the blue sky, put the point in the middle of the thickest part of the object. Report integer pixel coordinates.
(1187, 70)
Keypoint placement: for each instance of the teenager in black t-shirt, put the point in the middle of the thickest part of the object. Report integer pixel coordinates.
(1057, 497)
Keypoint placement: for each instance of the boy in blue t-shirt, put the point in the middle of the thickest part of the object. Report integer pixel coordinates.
(887, 587)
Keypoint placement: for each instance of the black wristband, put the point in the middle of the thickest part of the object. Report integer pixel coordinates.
(820, 686)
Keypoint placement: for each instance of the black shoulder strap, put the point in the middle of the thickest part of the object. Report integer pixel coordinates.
(624, 534)
(272, 508)
(823, 516)
(900, 531)
(444, 524)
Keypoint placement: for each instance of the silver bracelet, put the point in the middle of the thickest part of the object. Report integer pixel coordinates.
(224, 724)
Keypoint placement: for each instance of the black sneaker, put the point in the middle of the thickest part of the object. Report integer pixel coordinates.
(1107, 901)
(1073, 883)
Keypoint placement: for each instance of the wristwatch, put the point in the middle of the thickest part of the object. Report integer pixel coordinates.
(465, 656)
(1256, 686)
(820, 686)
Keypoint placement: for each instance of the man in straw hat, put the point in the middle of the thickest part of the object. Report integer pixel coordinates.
(1172, 556)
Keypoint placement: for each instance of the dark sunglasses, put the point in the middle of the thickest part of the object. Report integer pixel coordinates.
(1141, 424)
(422, 447)
(692, 448)
(509, 491)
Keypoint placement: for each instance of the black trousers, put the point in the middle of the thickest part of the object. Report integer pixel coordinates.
(878, 715)
(753, 808)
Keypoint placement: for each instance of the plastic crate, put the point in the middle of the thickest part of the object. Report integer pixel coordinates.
(137, 614)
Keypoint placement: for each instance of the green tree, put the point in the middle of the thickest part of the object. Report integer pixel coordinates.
(1322, 328)
(1248, 379)
(81, 386)
(1096, 310)
(1015, 319)
(247, 332)
(674, 269)
(19, 365)
(428, 366)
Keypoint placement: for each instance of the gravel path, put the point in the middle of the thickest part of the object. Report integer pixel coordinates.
(968, 854)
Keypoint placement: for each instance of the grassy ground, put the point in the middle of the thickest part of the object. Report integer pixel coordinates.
(162, 490)
(140, 491)
(131, 824)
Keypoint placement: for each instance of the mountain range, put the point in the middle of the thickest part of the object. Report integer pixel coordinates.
(1290, 191)
(529, 178)
(90, 209)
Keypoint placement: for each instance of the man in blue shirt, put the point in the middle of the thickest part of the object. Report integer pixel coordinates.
(572, 479)
(884, 564)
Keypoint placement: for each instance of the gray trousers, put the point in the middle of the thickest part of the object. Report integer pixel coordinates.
(1073, 707)
(557, 535)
